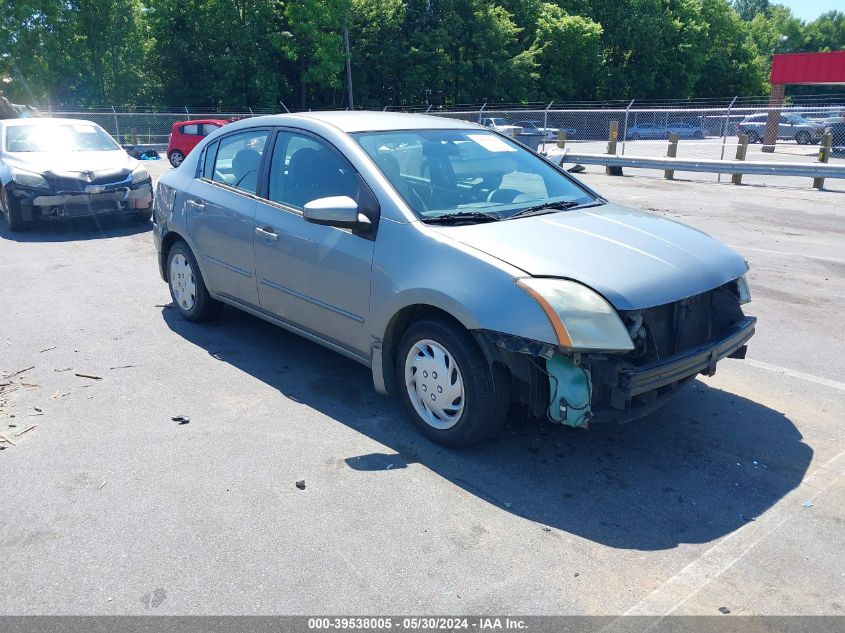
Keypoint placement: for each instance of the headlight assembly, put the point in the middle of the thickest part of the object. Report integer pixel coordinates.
(581, 318)
(139, 175)
(29, 179)
(743, 291)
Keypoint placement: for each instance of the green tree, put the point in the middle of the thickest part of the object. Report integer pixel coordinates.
(747, 9)
(732, 65)
(569, 54)
(827, 32)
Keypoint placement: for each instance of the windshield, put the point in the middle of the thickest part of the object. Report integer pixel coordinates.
(499, 121)
(440, 172)
(70, 137)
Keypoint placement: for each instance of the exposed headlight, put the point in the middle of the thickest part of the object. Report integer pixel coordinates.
(743, 291)
(140, 174)
(581, 318)
(28, 178)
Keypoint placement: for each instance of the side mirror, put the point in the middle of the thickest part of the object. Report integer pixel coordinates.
(341, 211)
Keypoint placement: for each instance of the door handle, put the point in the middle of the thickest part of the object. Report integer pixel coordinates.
(267, 232)
(196, 205)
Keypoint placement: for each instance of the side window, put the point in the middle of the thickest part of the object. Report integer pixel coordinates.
(208, 128)
(192, 129)
(239, 159)
(305, 169)
(208, 160)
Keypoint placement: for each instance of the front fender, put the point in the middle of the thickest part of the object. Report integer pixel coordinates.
(415, 266)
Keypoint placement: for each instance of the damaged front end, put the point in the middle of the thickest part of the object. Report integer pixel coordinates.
(672, 343)
(79, 194)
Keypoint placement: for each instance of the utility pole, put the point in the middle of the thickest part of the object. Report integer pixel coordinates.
(348, 65)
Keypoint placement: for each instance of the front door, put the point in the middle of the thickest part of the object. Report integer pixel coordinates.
(315, 277)
(220, 214)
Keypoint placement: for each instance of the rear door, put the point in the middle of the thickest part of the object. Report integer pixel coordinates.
(315, 277)
(221, 210)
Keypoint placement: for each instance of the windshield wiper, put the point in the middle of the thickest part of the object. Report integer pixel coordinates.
(462, 217)
(546, 207)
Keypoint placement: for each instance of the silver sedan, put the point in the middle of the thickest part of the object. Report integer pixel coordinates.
(464, 270)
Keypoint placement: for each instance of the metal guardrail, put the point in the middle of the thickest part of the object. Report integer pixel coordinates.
(803, 170)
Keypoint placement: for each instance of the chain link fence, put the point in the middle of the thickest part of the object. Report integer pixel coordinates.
(704, 131)
(146, 127)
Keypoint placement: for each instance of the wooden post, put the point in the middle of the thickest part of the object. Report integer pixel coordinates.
(824, 155)
(612, 135)
(672, 152)
(561, 139)
(741, 150)
(770, 135)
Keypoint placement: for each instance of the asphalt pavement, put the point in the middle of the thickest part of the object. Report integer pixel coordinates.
(731, 496)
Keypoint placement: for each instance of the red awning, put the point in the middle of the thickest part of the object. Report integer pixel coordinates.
(809, 68)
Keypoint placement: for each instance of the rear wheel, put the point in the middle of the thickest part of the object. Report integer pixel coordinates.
(753, 136)
(451, 392)
(802, 137)
(187, 288)
(11, 210)
(176, 157)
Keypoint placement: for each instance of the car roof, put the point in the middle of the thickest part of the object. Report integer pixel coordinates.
(201, 121)
(371, 121)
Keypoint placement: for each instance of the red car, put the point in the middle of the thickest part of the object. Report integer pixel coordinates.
(185, 135)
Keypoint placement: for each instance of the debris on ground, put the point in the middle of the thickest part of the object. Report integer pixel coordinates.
(724, 610)
(20, 371)
(181, 419)
(65, 369)
(807, 504)
(91, 376)
(3, 438)
(301, 484)
(105, 481)
(165, 305)
(60, 394)
(26, 430)
(123, 367)
(46, 349)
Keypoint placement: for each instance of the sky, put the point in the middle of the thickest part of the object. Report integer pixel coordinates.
(811, 9)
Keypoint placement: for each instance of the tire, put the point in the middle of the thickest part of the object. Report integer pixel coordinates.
(753, 137)
(803, 138)
(187, 287)
(482, 391)
(11, 210)
(175, 157)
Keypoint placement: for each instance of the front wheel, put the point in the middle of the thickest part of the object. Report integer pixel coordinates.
(176, 157)
(11, 210)
(802, 138)
(187, 288)
(453, 395)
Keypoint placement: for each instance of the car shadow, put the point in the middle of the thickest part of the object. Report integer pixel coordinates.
(702, 467)
(77, 229)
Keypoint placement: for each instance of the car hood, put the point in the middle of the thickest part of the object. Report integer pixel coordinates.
(72, 163)
(634, 259)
